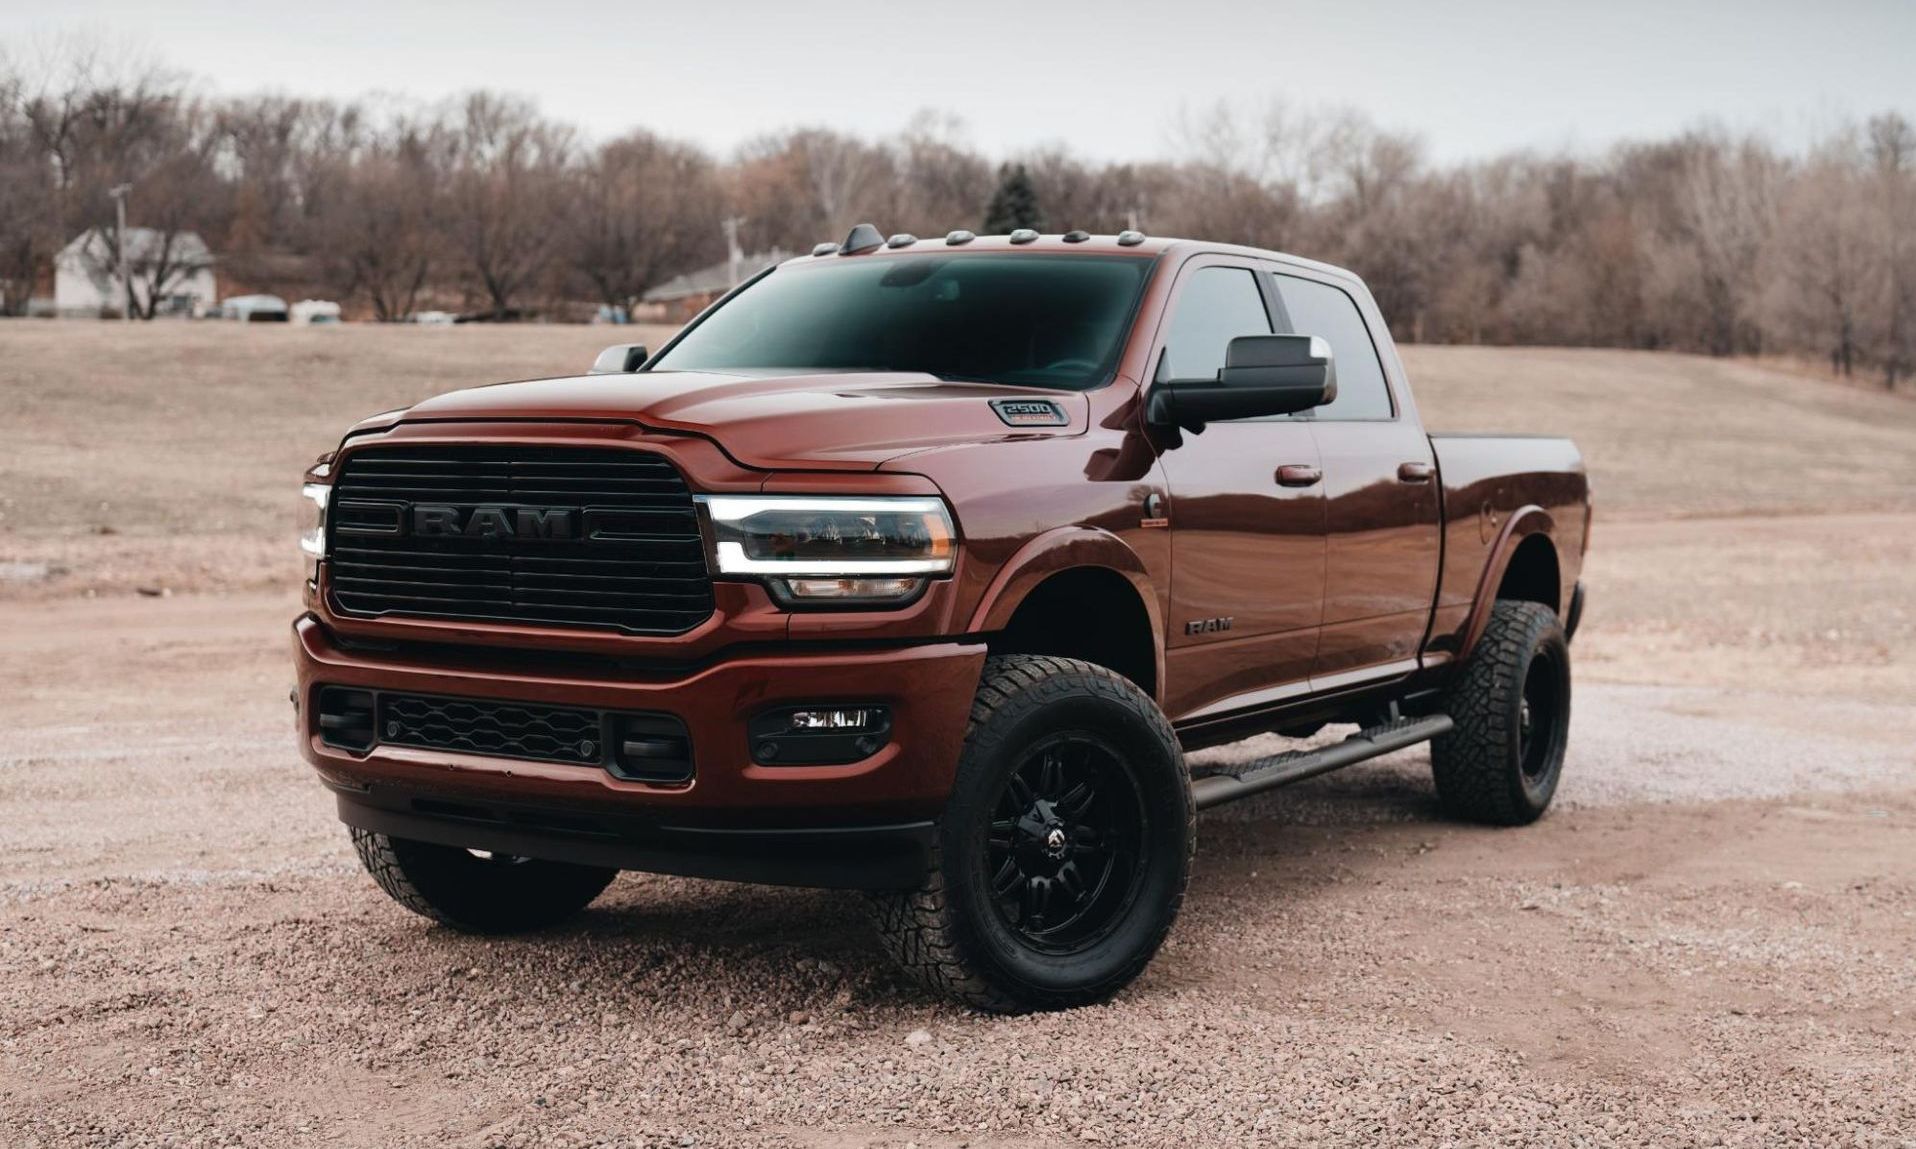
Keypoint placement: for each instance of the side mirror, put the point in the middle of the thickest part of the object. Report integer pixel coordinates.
(1262, 375)
(619, 359)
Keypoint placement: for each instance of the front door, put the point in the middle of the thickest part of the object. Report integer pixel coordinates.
(1247, 518)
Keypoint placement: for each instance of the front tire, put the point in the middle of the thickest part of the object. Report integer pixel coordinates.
(1501, 763)
(1063, 855)
(478, 893)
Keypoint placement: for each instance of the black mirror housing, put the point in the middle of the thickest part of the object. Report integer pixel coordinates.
(619, 359)
(1262, 375)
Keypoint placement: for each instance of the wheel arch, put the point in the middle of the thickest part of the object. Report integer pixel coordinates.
(1078, 592)
(1524, 564)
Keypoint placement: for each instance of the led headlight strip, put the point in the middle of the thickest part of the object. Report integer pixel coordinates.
(803, 535)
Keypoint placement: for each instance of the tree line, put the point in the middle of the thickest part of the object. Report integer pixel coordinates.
(1708, 241)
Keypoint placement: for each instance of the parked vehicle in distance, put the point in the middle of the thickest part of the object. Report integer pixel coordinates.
(314, 313)
(254, 309)
(915, 567)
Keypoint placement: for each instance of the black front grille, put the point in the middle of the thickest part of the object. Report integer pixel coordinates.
(544, 535)
(640, 745)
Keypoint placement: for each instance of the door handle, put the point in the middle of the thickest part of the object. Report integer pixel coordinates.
(1298, 475)
(1414, 472)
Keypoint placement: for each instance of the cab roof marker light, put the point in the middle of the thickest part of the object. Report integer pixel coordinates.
(960, 236)
(825, 248)
(1076, 236)
(902, 239)
(1024, 235)
(1130, 238)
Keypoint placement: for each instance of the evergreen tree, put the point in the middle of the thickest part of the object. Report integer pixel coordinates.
(1014, 204)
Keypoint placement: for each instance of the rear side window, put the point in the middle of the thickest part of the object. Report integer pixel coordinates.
(1217, 305)
(1325, 311)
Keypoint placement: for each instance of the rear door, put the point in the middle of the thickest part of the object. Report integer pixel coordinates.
(1247, 553)
(1380, 484)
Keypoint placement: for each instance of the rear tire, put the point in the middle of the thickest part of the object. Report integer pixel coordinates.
(1063, 855)
(474, 893)
(1501, 763)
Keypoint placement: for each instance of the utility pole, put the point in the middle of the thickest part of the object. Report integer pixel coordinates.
(126, 279)
(733, 255)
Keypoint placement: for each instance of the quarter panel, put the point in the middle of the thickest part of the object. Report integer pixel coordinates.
(1487, 480)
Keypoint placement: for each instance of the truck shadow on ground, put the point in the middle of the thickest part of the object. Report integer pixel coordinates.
(787, 949)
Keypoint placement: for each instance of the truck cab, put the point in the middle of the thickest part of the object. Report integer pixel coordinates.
(915, 566)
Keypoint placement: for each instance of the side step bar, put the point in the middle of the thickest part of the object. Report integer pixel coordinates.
(1263, 774)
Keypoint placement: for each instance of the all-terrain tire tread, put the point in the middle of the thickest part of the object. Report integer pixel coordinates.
(1470, 763)
(376, 854)
(918, 927)
(540, 895)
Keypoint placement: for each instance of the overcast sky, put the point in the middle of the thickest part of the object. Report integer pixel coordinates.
(1473, 77)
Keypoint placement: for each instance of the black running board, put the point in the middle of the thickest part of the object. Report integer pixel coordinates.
(1296, 765)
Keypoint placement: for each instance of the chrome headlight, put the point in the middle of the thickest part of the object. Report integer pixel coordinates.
(832, 549)
(314, 493)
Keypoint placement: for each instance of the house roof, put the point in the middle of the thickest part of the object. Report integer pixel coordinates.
(716, 278)
(142, 243)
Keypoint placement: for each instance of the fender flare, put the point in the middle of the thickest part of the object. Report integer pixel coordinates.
(1527, 520)
(1062, 549)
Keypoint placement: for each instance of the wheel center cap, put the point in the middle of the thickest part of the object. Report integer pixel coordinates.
(1055, 841)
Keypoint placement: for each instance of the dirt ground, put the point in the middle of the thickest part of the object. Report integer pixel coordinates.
(1711, 940)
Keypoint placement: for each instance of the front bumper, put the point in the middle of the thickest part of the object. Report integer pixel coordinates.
(791, 808)
(894, 856)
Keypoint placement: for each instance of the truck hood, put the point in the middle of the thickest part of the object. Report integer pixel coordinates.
(838, 421)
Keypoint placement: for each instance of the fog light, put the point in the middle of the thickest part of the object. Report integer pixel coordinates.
(860, 719)
(819, 735)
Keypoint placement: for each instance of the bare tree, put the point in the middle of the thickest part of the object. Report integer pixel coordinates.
(801, 187)
(1820, 267)
(941, 182)
(26, 198)
(379, 217)
(1892, 155)
(506, 196)
(644, 209)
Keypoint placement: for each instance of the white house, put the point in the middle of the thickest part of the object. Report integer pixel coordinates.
(86, 276)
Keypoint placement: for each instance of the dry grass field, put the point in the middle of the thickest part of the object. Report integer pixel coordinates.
(1707, 942)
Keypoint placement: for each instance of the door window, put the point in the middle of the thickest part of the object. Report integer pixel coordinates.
(1217, 305)
(1325, 311)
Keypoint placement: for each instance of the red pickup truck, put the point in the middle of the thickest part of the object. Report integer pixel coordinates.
(915, 567)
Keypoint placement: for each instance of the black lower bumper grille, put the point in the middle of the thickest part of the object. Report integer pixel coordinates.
(542, 733)
(551, 536)
(642, 746)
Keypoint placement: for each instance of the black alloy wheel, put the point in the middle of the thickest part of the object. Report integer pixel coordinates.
(1065, 854)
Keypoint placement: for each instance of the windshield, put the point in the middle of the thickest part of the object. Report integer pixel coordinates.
(1032, 320)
